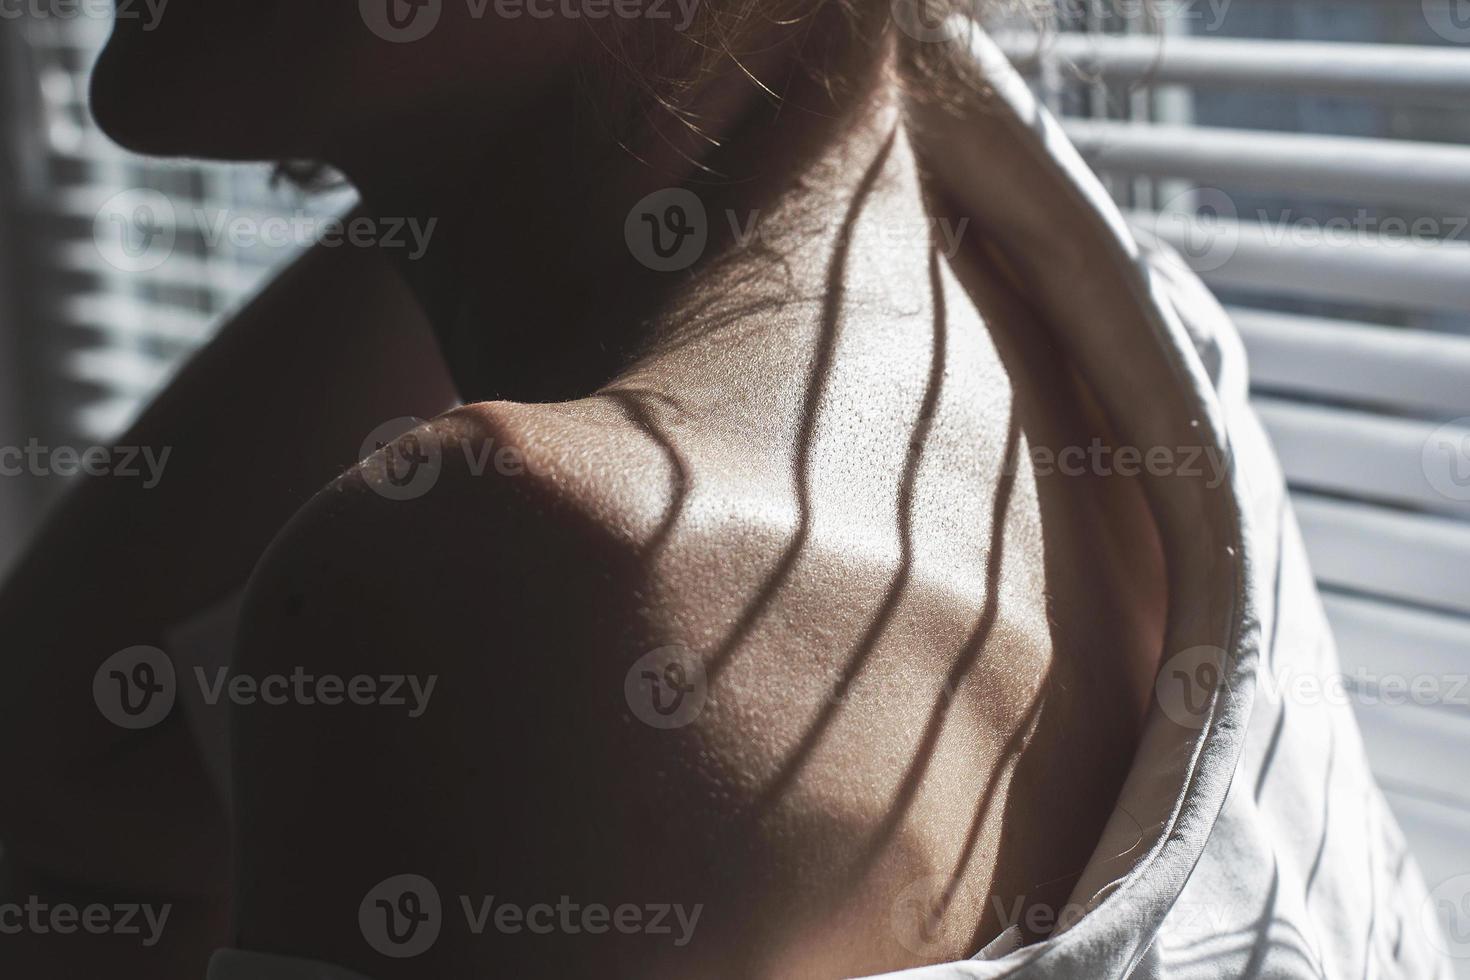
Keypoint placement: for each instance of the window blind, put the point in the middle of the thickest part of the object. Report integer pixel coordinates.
(107, 334)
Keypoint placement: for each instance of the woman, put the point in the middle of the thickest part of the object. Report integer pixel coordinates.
(784, 636)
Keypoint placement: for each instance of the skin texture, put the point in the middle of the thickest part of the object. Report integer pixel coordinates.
(807, 462)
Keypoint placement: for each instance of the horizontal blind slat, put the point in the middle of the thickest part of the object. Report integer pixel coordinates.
(127, 319)
(1419, 748)
(1355, 454)
(1379, 637)
(1376, 70)
(1436, 830)
(1353, 168)
(224, 280)
(119, 370)
(1414, 558)
(1297, 261)
(1357, 362)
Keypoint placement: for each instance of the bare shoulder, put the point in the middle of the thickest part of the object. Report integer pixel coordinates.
(459, 543)
(477, 583)
(460, 494)
(612, 687)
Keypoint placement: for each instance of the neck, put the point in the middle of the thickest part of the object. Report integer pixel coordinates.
(542, 278)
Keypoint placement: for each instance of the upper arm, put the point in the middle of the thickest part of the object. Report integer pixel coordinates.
(506, 610)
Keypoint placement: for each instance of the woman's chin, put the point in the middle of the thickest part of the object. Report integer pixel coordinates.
(121, 115)
(147, 103)
(138, 108)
